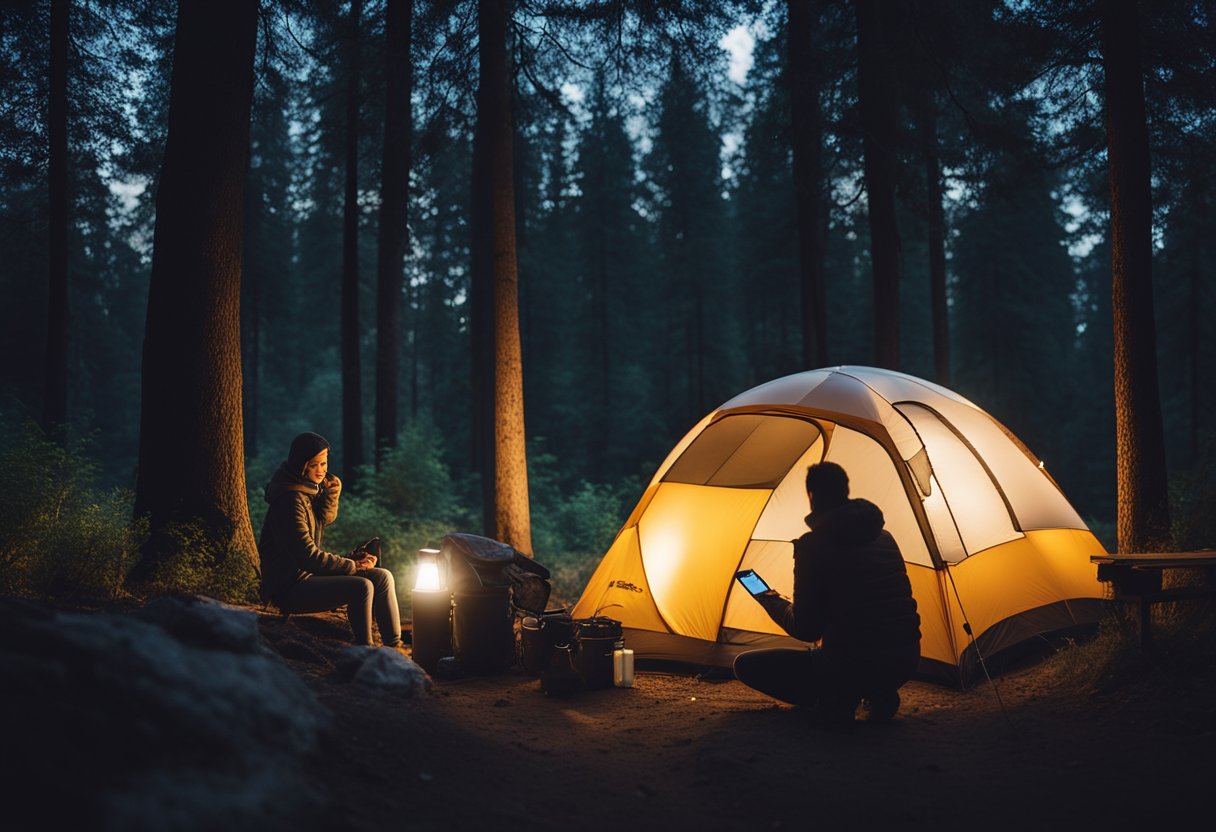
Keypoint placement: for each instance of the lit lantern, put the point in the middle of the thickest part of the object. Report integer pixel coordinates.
(428, 579)
(431, 605)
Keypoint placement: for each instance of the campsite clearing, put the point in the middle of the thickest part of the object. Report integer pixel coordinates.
(684, 752)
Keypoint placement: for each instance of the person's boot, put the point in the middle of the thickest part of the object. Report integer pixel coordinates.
(882, 707)
(833, 714)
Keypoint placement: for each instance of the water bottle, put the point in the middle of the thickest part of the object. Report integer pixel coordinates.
(622, 667)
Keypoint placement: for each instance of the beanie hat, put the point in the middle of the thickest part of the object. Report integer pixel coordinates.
(303, 448)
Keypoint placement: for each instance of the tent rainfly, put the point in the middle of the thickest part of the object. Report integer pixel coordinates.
(997, 556)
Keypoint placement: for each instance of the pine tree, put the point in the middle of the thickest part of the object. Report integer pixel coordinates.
(877, 103)
(191, 451)
(702, 337)
(393, 235)
(1143, 496)
(496, 276)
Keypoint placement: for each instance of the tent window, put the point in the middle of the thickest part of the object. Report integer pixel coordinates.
(971, 503)
(745, 451)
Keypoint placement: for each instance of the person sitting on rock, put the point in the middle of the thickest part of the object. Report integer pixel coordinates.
(851, 594)
(298, 575)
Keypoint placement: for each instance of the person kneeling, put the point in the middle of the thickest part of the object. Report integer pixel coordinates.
(852, 594)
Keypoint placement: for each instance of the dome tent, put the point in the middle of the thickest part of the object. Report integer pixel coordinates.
(996, 555)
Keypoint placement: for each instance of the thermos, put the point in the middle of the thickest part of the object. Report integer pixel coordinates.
(622, 667)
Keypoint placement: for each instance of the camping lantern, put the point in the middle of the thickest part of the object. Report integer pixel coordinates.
(431, 604)
(428, 579)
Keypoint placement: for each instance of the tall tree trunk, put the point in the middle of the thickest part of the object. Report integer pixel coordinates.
(191, 460)
(251, 330)
(876, 94)
(1143, 501)
(937, 239)
(1194, 323)
(481, 330)
(394, 203)
(804, 85)
(55, 400)
(512, 523)
(352, 381)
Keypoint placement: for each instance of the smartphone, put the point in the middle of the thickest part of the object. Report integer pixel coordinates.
(752, 582)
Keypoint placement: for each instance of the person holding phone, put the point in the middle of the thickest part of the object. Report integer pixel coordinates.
(852, 596)
(298, 575)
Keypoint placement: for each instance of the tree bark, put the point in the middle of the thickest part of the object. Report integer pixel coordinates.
(352, 381)
(394, 206)
(1194, 322)
(191, 460)
(804, 85)
(1143, 502)
(251, 330)
(481, 330)
(496, 189)
(55, 399)
(876, 94)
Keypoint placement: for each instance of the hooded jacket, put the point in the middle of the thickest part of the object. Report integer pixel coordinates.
(851, 588)
(290, 543)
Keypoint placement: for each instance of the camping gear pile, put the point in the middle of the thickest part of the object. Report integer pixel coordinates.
(997, 556)
(500, 617)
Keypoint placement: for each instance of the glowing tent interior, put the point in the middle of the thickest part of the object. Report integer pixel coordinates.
(991, 543)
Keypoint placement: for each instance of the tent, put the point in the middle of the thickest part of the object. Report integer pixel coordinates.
(997, 557)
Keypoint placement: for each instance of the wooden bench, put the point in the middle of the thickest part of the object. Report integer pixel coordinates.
(1137, 578)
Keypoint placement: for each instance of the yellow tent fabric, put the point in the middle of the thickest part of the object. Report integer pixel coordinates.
(991, 542)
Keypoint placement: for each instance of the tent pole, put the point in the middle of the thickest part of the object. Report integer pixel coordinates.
(975, 646)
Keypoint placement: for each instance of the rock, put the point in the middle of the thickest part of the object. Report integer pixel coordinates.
(383, 667)
(175, 717)
(205, 622)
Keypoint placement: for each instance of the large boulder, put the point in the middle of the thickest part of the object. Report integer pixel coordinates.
(175, 717)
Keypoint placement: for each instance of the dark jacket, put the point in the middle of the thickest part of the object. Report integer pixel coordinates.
(851, 589)
(290, 544)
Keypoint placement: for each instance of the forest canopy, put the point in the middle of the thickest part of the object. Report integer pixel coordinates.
(683, 173)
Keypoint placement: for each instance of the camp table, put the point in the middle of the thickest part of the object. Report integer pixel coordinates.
(1136, 577)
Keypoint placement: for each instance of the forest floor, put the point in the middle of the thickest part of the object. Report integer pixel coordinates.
(684, 751)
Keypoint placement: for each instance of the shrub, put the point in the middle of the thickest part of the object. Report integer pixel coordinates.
(410, 503)
(192, 560)
(61, 535)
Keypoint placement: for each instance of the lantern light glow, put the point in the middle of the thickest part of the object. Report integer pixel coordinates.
(428, 579)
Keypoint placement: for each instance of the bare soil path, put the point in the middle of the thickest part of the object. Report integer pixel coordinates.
(686, 752)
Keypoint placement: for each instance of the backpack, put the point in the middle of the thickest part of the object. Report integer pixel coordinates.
(476, 561)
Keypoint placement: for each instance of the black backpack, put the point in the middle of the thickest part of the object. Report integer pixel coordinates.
(477, 561)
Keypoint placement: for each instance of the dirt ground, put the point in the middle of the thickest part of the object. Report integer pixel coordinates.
(682, 751)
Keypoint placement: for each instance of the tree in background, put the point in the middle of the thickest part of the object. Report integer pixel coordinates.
(271, 298)
(876, 93)
(55, 401)
(700, 336)
(352, 372)
(1143, 519)
(394, 216)
(496, 282)
(1014, 322)
(191, 459)
(803, 82)
(765, 208)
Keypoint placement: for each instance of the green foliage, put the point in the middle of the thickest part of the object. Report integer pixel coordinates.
(195, 562)
(411, 503)
(1184, 644)
(61, 535)
(572, 525)
(1193, 502)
